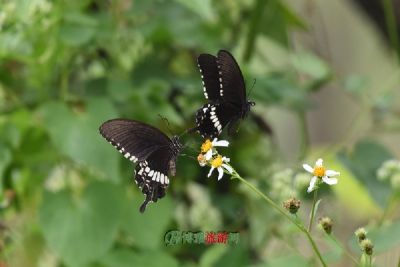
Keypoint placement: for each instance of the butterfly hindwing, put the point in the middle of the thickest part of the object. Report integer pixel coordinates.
(152, 149)
(212, 118)
(224, 87)
(151, 176)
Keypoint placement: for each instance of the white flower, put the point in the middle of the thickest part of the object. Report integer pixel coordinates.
(207, 147)
(219, 164)
(320, 172)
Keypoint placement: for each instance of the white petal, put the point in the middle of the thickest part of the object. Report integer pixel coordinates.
(330, 181)
(228, 168)
(308, 168)
(312, 184)
(210, 172)
(225, 159)
(220, 143)
(319, 162)
(331, 173)
(208, 155)
(220, 173)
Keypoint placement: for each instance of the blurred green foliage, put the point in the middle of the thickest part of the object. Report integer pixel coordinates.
(68, 198)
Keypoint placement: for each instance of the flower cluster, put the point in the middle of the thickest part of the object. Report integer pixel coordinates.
(390, 171)
(281, 185)
(209, 156)
(365, 244)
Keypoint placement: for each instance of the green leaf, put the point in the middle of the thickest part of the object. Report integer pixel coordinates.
(5, 159)
(385, 238)
(279, 89)
(315, 68)
(212, 255)
(81, 229)
(147, 229)
(202, 8)
(335, 252)
(284, 261)
(364, 161)
(235, 256)
(77, 29)
(282, 18)
(316, 207)
(77, 135)
(127, 258)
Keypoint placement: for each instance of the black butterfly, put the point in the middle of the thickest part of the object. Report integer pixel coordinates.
(154, 152)
(224, 87)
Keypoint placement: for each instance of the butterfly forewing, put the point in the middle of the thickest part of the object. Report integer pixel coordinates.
(225, 89)
(233, 86)
(148, 146)
(209, 76)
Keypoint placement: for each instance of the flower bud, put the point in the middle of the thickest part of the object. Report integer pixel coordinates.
(367, 246)
(326, 224)
(292, 205)
(361, 234)
(202, 160)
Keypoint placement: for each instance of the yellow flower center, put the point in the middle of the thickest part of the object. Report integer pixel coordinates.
(207, 145)
(217, 162)
(319, 171)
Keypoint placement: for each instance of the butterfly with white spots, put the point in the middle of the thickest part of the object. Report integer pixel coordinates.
(153, 151)
(224, 87)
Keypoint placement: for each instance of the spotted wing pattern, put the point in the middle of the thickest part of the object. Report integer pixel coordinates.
(212, 118)
(210, 76)
(152, 149)
(224, 87)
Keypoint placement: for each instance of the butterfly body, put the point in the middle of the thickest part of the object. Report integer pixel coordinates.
(224, 87)
(153, 151)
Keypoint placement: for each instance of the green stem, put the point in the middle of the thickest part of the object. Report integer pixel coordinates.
(390, 20)
(254, 25)
(312, 210)
(348, 254)
(234, 174)
(304, 141)
(388, 206)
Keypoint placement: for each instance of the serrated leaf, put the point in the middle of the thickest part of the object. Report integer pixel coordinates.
(81, 229)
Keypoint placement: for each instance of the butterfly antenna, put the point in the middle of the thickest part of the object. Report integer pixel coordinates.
(165, 120)
(251, 89)
(190, 130)
(186, 155)
(188, 145)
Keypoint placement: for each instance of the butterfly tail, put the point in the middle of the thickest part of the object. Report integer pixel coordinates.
(144, 204)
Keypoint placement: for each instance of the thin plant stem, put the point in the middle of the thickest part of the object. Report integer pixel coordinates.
(391, 26)
(391, 199)
(312, 210)
(254, 25)
(314, 246)
(304, 141)
(348, 254)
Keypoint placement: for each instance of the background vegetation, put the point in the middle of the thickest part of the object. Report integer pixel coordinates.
(326, 83)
